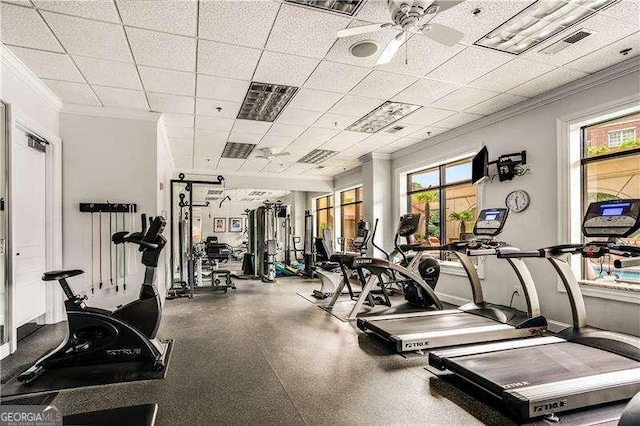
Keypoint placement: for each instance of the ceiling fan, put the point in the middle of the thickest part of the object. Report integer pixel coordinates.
(268, 154)
(412, 17)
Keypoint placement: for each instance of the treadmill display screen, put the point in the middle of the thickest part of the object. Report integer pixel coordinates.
(613, 211)
(491, 216)
(617, 209)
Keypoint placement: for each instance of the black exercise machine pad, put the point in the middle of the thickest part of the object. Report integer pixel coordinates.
(89, 375)
(134, 415)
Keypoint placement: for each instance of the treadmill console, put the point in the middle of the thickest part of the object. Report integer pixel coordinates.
(409, 224)
(490, 222)
(614, 218)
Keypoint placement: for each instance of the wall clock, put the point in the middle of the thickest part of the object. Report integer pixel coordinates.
(517, 201)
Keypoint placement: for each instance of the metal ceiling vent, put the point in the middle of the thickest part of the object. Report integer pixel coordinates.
(265, 102)
(237, 150)
(556, 47)
(364, 49)
(383, 116)
(258, 193)
(317, 156)
(343, 7)
(214, 192)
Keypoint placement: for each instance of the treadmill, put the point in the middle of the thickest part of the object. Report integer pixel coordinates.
(478, 321)
(580, 367)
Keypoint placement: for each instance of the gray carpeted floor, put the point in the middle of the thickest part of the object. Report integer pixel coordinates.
(264, 355)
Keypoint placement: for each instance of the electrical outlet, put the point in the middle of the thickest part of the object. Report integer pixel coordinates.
(518, 289)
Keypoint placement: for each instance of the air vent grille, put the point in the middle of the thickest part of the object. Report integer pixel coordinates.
(344, 7)
(265, 102)
(317, 156)
(566, 42)
(214, 192)
(258, 193)
(237, 150)
(381, 117)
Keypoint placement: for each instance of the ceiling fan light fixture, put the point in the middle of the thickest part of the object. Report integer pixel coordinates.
(539, 22)
(381, 117)
(265, 102)
(237, 150)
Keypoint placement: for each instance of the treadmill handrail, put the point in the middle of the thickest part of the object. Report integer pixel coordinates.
(521, 254)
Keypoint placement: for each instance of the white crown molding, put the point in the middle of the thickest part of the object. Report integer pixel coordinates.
(130, 114)
(603, 76)
(374, 156)
(12, 62)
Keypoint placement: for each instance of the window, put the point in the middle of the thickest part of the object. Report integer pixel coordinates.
(610, 163)
(447, 200)
(351, 212)
(618, 137)
(324, 214)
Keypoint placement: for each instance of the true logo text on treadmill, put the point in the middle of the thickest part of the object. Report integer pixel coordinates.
(550, 406)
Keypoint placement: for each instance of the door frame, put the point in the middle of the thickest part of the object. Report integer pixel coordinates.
(21, 121)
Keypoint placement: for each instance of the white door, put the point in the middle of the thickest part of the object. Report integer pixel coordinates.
(28, 214)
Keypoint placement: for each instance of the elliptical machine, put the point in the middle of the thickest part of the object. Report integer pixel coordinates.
(99, 336)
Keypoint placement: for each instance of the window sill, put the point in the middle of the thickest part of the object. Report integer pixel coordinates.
(618, 291)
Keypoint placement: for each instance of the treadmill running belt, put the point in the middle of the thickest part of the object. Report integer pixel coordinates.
(535, 365)
(423, 324)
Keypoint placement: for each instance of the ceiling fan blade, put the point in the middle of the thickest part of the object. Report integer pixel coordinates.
(348, 32)
(392, 48)
(446, 4)
(443, 34)
(282, 154)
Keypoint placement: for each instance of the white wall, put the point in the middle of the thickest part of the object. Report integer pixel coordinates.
(228, 210)
(165, 169)
(534, 130)
(106, 159)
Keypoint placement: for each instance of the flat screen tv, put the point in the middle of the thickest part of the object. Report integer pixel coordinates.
(480, 166)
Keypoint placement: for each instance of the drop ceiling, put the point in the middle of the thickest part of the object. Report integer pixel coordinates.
(194, 62)
(215, 194)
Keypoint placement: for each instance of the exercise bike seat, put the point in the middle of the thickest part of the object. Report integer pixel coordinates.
(59, 275)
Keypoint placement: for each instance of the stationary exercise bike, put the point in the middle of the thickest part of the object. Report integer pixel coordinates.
(99, 336)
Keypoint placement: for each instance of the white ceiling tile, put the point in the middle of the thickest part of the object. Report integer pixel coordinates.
(511, 74)
(492, 15)
(496, 104)
(336, 77)
(168, 16)
(24, 27)
(319, 134)
(379, 139)
(55, 66)
(245, 137)
(355, 105)
(163, 50)
(230, 164)
(276, 166)
(546, 82)
(109, 73)
(374, 11)
(25, 3)
(314, 100)
(304, 32)
(406, 131)
(209, 107)
(298, 117)
(121, 98)
(344, 140)
(398, 145)
(463, 98)
(382, 84)
(425, 91)
(73, 93)
(270, 141)
(225, 60)
(100, 10)
(608, 56)
(457, 120)
(179, 133)
(168, 81)
(205, 162)
(170, 103)
(605, 31)
(254, 165)
(470, 64)
(413, 58)
(214, 123)
(303, 146)
(178, 120)
(251, 126)
(624, 10)
(428, 132)
(341, 50)
(89, 38)
(425, 116)
(335, 121)
(182, 152)
(286, 130)
(183, 162)
(279, 68)
(226, 89)
(246, 23)
(299, 168)
(209, 143)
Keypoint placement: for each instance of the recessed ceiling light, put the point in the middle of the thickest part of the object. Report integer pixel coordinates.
(539, 22)
(317, 156)
(364, 49)
(237, 150)
(264, 101)
(386, 114)
(345, 7)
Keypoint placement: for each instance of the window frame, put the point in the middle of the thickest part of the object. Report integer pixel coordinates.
(358, 203)
(330, 199)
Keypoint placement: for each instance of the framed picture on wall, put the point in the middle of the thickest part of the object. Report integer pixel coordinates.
(220, 224)
(235, 224)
